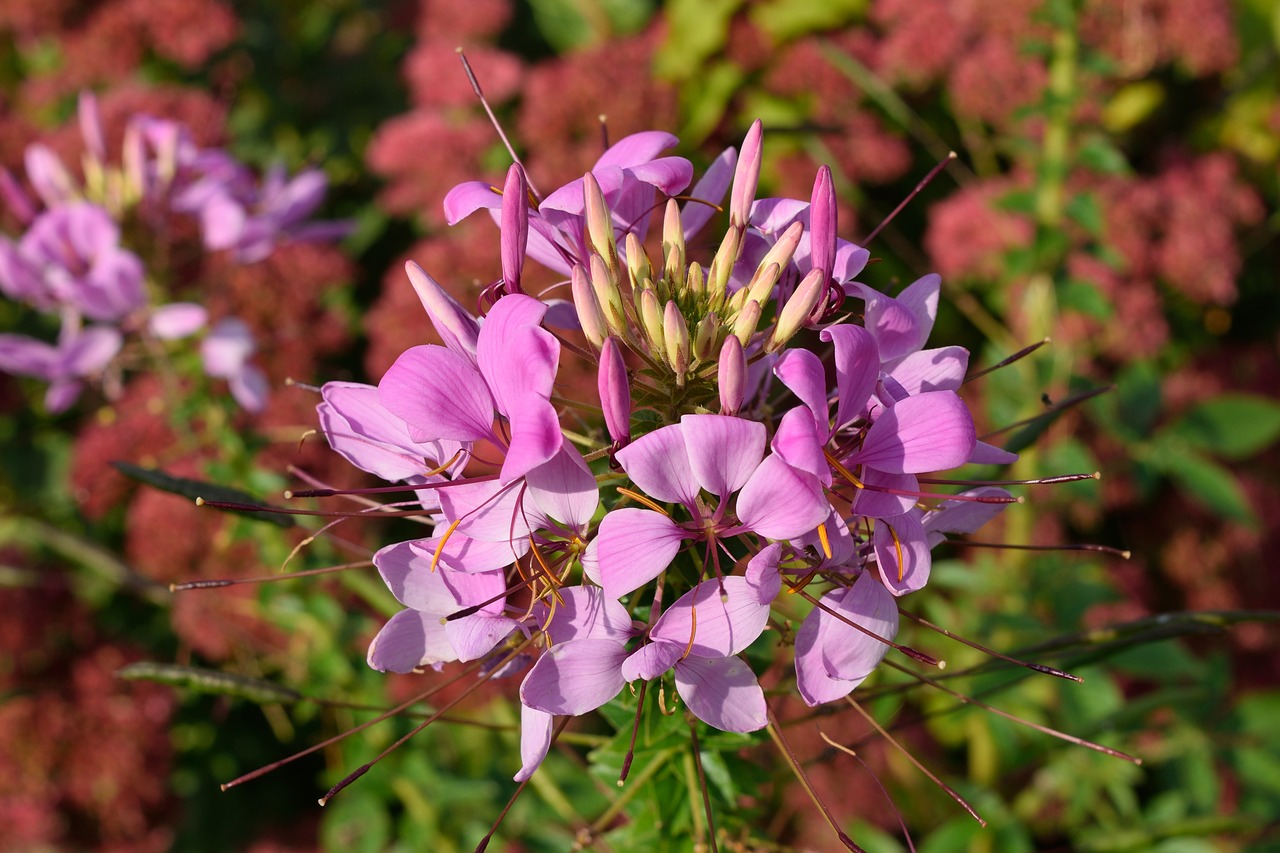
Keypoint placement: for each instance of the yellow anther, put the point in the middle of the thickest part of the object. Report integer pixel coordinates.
(636, 496)
(826, 542)
(693, 630)
(843, 471)
(897, 545)
(546, 570)
(435, 558)
(445, 467)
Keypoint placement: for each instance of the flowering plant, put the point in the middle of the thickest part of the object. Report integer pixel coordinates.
(100, 253)
(768, 422)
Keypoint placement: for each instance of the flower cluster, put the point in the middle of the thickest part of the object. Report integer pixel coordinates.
(762, 457)
(98, 251)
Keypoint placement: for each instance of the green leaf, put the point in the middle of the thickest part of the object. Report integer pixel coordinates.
(198, 489)
(1232, 426)
(1083, 296)
(1100, 154)
(698, 30)
(1209, 484)
(788, 19)
(1083, 209)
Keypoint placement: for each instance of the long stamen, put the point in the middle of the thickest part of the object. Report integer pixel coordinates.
(493, 119)
(1074, 400)
(775, 732)
(1038, 667)
(964, 804)
(933, 173)
(365, 768)
(902, 823)
(241, 507)
(502, 815)
(969, 700)
(635, 731)
(1040, 481)
(636, 496)
(217, 584)
(702, 785)
(1083, 546)
(1020, 354)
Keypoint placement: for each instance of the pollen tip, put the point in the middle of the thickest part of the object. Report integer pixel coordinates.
(1097, 475)
(942, 664)
(457, 50)
(288, 494)
(224, 787)
(951, 155)
(620, 783)
(1021, 499)
(199, 501)
(324, 801)
(1126, 554)
(173, 587)
(289, 382)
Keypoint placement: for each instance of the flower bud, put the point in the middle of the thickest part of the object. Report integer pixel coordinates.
(16, 198)
(615, 392)
(673, 237)
(674, 271)
(458, 329)
(722, 264)
(515, 227)
(676, 335)
(732, 375)
(651, 320)
(599, 223)
(779, 253)
(704, 340)
(746, 176)
(590, 316)
(822, 223)
(694, 283)
(761, 284)
(638, 266)
(608, 296)
(95, 145)
(744, 325)
(796, 311)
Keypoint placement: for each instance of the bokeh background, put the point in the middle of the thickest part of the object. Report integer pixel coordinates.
(1116, 190)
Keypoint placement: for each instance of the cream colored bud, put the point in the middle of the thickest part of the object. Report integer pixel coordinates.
(608, 296)
(651, 320)
(673, 232)
(797, 309)
(779, 253)
(762, 283)
(726, 256)
(674, 271)
(599, 223)
(676, 334)
(695, 283)
(704, 340)
(590, 316)
(638, 266)
(744, 325)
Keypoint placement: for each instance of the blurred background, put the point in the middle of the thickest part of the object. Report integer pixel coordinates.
(1116, 190)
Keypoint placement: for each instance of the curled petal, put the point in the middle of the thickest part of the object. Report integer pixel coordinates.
(940, 369)
(636, 148)
(803, 374)
(535, 739)
(799, 444)
(535, 436)
(439, 393)
(457, 328)
(575, 677)
(564, 488)
(832, 657)
(902, 551)
(762, 574)
(722, 692)
(466, 198)
(857, 368)
(651, 660)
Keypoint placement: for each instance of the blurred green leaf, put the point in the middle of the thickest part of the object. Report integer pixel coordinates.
(1136, 402)
(1232, 426)
(1100, 154)
(1208, 484)
(787, 19)
(698, 29)
(1083, 296)
(1083, 209)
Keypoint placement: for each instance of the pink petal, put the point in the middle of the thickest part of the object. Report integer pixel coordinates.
(803, 374)
(762, 574)
(634, 546)
(779, 502)
(636, 149)
(438, 392)
(857, 368)
(903, 554)
(473, 637)
(832, 657)
(466, 198)
(651, 660)
(585, 613)
(488, 510)
(406, 569)
(710, 187)
(963, 516)
(564, 488)
(177, 320)
(989, 454)
(725, 623)
(800, 446)
(879, 504)
(359, 428)
(535, 739)
(515, 356)
(409, 640)
(932, 370)
(659, 464)
(457, 328)
(722, 692)
(575, 678)
(723, 451)
(535, 436)
(928, 432)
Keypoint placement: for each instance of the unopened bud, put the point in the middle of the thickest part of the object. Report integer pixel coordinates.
(590, 316)
(732, 375)
(762, 283)
(673, 234)
(674, 272)
(651, 320)
(515, 227)
(638, 266)
(746, 176)
(608, 296)
(458, 329)
(704, 339)
(822, 223)
(744, 325)
(615, 392)
(797, 309)
(695, 284)
(722, 264)
(676, 335)
(95, 144)
(779, 253)
(599, 223)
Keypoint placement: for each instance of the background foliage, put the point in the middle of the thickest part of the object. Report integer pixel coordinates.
(1116, 190)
